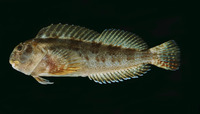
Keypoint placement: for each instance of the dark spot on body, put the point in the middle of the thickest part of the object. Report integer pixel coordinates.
(94, 51)
(87, 58)
(97, 59)
(76, 48)
(129, 58)
(112, 50)
(80, 54)
(103, 59)
(119, 60)
(95, 47)
(113, 59)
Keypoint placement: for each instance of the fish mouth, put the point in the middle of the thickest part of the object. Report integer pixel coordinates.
(14, 63)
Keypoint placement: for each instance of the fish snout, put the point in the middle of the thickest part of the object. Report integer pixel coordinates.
(14, 63)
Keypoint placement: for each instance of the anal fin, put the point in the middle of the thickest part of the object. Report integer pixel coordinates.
(120, 75)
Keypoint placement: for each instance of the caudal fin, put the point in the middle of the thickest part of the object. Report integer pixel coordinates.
(166, 55)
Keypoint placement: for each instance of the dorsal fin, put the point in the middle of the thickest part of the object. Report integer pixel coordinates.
(107, 37)
(64, 31)
(116, 76)
(121, 38)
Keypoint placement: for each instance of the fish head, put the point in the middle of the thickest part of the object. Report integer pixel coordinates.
(25, 57)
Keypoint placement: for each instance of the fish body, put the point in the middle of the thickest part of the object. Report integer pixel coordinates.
(71, 51)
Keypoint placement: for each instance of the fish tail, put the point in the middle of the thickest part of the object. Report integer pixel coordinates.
(166, 55)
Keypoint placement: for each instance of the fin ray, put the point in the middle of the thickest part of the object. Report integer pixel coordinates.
(107, 37)
(121, 38)
(64, 31)
(119, 76)
(166, 55)
(42, 80)
(69, 62)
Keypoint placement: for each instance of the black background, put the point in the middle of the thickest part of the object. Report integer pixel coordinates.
(159, 91)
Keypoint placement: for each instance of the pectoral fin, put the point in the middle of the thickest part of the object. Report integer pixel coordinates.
(42, 80)
(67, 62)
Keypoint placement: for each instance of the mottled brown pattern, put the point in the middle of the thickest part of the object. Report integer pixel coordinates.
(65, 50)
(111, 50)
(94, 47)
(86, 57)
(80, 54)
(129, 58)
(103, 59)
(97, 58)
(129, 51)
(113, 59)
(119, 60)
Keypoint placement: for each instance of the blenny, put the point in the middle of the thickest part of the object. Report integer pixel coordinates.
(62, 50)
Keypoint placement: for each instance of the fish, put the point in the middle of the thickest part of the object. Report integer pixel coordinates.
(62, 50)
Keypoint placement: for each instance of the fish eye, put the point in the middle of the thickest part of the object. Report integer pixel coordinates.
(19, 48)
